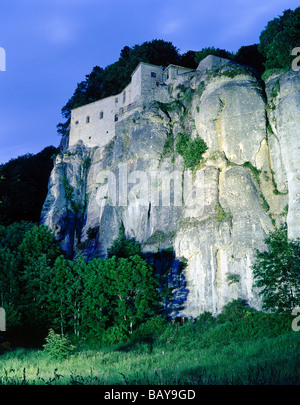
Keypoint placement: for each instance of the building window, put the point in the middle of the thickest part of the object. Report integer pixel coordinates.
(116, 100)
(76, 122)
(116, 117)
(101, 115)
(153, 74)
(87, 119)
(124, 96)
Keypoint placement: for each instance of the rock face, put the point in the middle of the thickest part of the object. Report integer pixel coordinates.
(214, 217)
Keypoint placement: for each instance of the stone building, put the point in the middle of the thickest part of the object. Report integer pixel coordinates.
(94, 123)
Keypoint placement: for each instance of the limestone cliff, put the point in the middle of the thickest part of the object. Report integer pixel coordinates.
(216, 217)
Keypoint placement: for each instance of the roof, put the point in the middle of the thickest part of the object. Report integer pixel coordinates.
(179, 67)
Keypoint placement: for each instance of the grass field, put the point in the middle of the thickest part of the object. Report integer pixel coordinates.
(242, 347)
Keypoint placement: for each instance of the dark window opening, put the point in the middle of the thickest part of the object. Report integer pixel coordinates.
(153, 74)
(116, 117)
(87, 119)
(101, 115)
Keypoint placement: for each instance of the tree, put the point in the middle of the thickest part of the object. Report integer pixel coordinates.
(24, 186)
(38, 252)
(65, 293)
(278, 39)
(188, 60)
(96, 303)
(120, 291)
(277, 272)
(250, 56)
(58, 293)
(11, 286)
(38, 241)
(132, 289)
(123, 247)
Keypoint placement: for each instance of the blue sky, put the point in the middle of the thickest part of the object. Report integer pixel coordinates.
(51, 45)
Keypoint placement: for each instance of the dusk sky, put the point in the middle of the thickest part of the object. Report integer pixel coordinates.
(51, 45)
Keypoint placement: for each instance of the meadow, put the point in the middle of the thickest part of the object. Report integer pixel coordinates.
(241, 346)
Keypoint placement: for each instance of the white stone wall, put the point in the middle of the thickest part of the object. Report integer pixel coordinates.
(94, 123)
(97, 130)
(174, 72)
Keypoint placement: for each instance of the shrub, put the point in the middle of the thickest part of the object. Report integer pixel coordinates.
(115, 334)
(191, 150)
(151, 328)
(57, 346)
(234, 310)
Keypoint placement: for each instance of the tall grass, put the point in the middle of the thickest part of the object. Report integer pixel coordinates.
(240, 346)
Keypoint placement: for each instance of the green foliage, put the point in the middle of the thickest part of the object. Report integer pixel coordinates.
(222, 53)
(278, 39)
(69, 190)
(133, 291)
(236, 71)
(158, 237)
(123, 247)
(57, 346)
(24, 186)
(233, 278)
(27, 253)
(240, 346)
(221, 215)
(250, 56)
(152, 328)
(92, 233)
(44, 289)
(269, 72)
(39, 241)
(191, 150)
(87, 162)
(276, 272)
(254, 170)
(168, 145)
